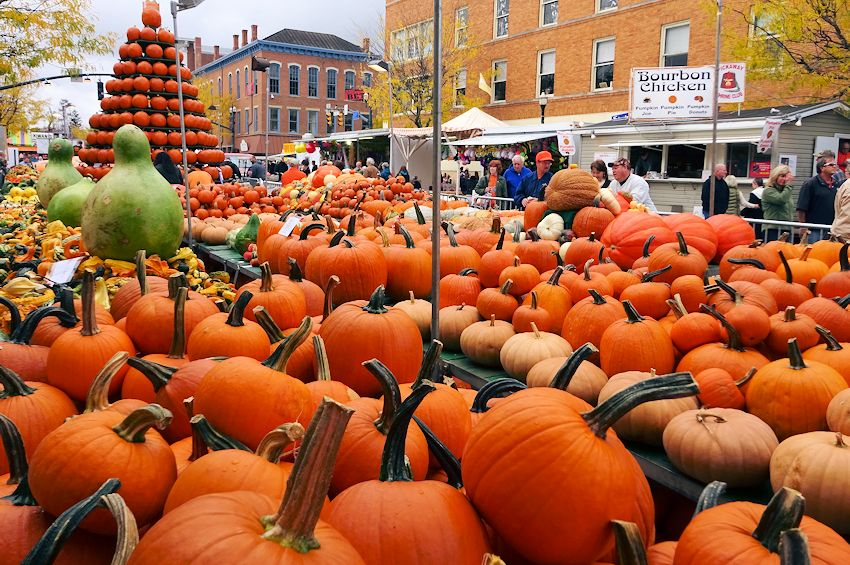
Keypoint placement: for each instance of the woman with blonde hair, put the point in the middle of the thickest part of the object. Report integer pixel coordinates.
(777, 201)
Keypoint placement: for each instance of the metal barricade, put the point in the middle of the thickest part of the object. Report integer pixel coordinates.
(482, 202)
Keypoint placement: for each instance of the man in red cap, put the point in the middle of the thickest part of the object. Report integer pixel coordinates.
(533, 186)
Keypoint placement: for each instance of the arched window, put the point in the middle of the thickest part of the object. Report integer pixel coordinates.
(349, 80)
(332, 83)
(238, 87)
(274, 78)
(294, 80)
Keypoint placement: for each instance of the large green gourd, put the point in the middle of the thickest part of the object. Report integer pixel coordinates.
(132, 207)
(59, 172)
(67, 205)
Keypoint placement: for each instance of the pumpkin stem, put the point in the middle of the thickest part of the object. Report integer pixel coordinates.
(677, 306)
(13, 384)
(420, 217)
(295, 274)
(565, 374)
(632, 315)
(352, 225)
(516, 261)
(534, 299)
(221, 305)
(394, 467)
(408, 239)
(14, 314)
(50, 544)
(330, 225)
(272, 444)
(89, 317)
(376, 302)
(13, 446)
(237, 310)
(501, 242)
(337, 238)
(646, 245)
(674, 385)
(66, 303)
(288, 345)
(175, 281)
(97, 399)
(535, 330)
(450, 232)
(556, 276)
(587, 265)
(843, 301)
(307, 486)
(629, 544)
(448, 462)
(710, 496)
(139, 421)
(789, 277)
(347, 243)
(783, 512)
(795, 356)
(178, 337)
(559, 261)
(804, 256)
(749, 261)
(831, 343)
(391, 394)
(308, 229)
(734, 338)
(839, 440)
(328, 308)
(141, 272)
(652, 274)
(430, 363)
(683, 245)
(157, 374)
(598, 299)
(506, 286)
(842, 258)
(24, 331)
(790, 314)
(273, 331)
(746, 378)
(794, 548)
(206, 438)
(495, 389)
(323, 371)
(533, 235)
(412, 297)
(266, 284)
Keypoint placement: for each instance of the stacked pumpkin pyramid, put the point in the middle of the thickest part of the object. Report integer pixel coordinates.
(144, 92)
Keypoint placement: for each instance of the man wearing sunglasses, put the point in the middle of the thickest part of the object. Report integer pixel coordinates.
(816, 203)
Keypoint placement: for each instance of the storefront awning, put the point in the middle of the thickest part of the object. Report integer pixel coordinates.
(691, 141)
(502, 138)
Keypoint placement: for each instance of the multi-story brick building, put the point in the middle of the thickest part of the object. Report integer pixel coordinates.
(577, 53)
(312, 79)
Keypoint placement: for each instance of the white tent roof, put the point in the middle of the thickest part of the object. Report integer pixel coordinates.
(472, 119)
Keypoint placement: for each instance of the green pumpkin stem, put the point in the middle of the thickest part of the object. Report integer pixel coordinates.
(266, 280)
(534, 299)
(142, 272)
(795, 356)
(279, 359)
(139, 421)
(24, 331)
(565, 374)
(674, 385)
(448, 462)
(501, 242)
(13, 445)
(629, 544)
(467, 272)
(844, 301)
(51, 542)
(66, 303)
(450, 232)
(556, 276)
(632, 315)
(710, 496)
(783, 512)
(376, 302)
(394, 466)
(308, 229)
(13, 384)
(89, 314)
(178, 336)
(235, 318)
(646, 245)
(157, 374)
(390, 391)
(408, 239)
(295, 274)
(495, 389)
(351, 227)
(273, 331)
(97, 399)
(648, 277)
(272, 444)
(307, 486)
(734, 338)
(347, 243)
(328, 308)
(430, 363)
(206, 438)
(843, 262)
(794, 548)
(14, 314)
(832, 344)
(559, 261)
(323, 371)
(506, 286)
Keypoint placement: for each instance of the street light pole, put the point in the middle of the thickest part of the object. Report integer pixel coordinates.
(437, 121)
(390, 91)
(715, 111)
(543, 101)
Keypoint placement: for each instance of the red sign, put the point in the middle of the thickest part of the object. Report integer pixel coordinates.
(760, 169)
(354, 94)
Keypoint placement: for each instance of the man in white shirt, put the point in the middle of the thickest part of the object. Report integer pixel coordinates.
(626, 182)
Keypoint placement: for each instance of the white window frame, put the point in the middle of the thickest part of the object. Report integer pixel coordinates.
(279, 67)
(543, 4)
(539, 91)
(256, 116)
(289, 79)
(664, 29)
(317, 113)
(289, 119)
(318, 72)
(345, 74)
(271, 129)
(328, 83)
(456, 99)
(367, 83)
(600, 9)
(593, 65)
(458, 28)
(493, 82)
(496, 17)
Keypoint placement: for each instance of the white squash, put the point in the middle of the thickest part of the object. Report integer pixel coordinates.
(563, 250)
(550, 227)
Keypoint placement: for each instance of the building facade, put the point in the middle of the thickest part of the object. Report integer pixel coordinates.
(314, 85)
(578, 54)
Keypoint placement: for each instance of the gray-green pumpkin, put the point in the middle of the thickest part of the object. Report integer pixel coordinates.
(132, 207)
(67, 205)
(59, 172)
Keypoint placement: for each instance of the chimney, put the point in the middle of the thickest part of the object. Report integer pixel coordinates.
(244, 37)
(199, 59)
(235, 42)
(366, 45)
(253, 32)
(216, 52)
(190, 55)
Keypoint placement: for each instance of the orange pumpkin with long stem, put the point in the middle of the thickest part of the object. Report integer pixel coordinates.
(635, 343)
(755, 251)
(324, 385)
(98, 399)
(300, 362)
(18, 354)
(836, 282)
(692, 329)
(314, 296)
(752, 270)
(50, 328)
(684, 260)
(581, 250)
(408, 268)
(580, 287)
(537, 252)
(203, 439)
(588, 319)
(360, 266)
(284, 300)
(649, 297)
(135, 288)
(741, 292)
(700, 233)
(785, 291)
(804, 269)
(455, 257)
(788, 324)
(524, 277)
(642, 261)
(555, 299)
(831, 314)
(831, 352)
(530, 313)
(497, 302)
(279, 249)
(229, 335)
(494, 261)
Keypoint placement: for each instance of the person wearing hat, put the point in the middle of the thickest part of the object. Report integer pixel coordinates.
(628, 183)
(533, 186)
(492, 184)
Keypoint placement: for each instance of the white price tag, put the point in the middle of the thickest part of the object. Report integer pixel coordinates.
(289, 225)
(61, 272)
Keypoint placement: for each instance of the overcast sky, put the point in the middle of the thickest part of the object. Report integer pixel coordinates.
(215, 21)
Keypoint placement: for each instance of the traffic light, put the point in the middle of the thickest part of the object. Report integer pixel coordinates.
(330, 118)
(100, 90)
(339, 119)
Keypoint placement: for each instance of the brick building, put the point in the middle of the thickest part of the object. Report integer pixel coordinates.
(309, 71)
(578, 53)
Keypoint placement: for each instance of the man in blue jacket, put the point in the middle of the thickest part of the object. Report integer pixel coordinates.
(533, 186)
(515, 174)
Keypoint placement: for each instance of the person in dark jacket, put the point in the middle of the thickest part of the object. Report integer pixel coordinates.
(163, 164)
(533, 186)
(403, 172)
(721, 192)
(237, 174)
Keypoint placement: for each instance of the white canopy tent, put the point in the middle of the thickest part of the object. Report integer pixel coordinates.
(474, 119)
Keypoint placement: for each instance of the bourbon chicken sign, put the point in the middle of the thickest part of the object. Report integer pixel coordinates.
(672, 93)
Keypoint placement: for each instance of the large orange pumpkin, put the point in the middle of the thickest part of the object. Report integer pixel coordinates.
(625, 236)
(731, 231)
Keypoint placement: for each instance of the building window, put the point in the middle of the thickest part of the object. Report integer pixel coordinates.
(256, 119)
(274, 78)
(546, 73)
(366, 120)
(603, 5)
(294, 80)
(501, 22)
(274, 119)
(461, 26)
(603, 64)
(255, 84)
(237, 122)
(238, 88)
(674, 45)
(313, 82)
(367, 80)
(762, 29)
(739, 157)
(460, 87)
(247, 120)
(685, 161)
(313, 121)
(348, 120)
(293, 120)
(220, 91)
(230, 84)
(245, 76)
(349, 80)
(548, 12)
(413, 41)
(332, 83)
(397, 45)
(500, 80)
(646, 158)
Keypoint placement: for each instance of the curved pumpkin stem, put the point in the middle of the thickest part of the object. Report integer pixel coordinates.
(506, 286)
(206, 438)
(14, 314)
(266, 280)
(336, 239)
(795, 356)
(139, 421)
(389, 389)
(495, 389)
(646, 245)
(430, 363)
(142, 272)
(843, 262)
(376, 302)
(13, 384)
(598, 299)
(273, 331)
(501, 242)
(450, 232)
(288, 345)
(533, 235)
(22, 335)
(783, 512)
(534, 299)
(327, 310)
(97, 399)
(295, 273)
(677, 306)
(448, 462)
(587, 265)
(789, 277)
(751, 262)
(674, 385)
(648, 277)
(832, 344)
(296, 519)
(710, 496)
(13, 445)
(565, 374)
(746, 378)
(178, 337)
(734, 338)
(394, 465)
(420, 217)
(683, 245)
(408, 239)
(310, 228)
(632, 315)
(844, 301)
(65, 299)
(89, 318)
(794, 548)
(323, 371)
(272, 444)
(235, 317)
(556, 276)
(629, 544)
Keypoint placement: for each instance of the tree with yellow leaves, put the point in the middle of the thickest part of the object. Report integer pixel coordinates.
(217, 109)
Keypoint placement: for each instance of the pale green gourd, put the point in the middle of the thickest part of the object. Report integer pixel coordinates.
(59, 172)
(67, 205)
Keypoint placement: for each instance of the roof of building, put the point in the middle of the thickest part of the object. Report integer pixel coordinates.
(313, 39)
